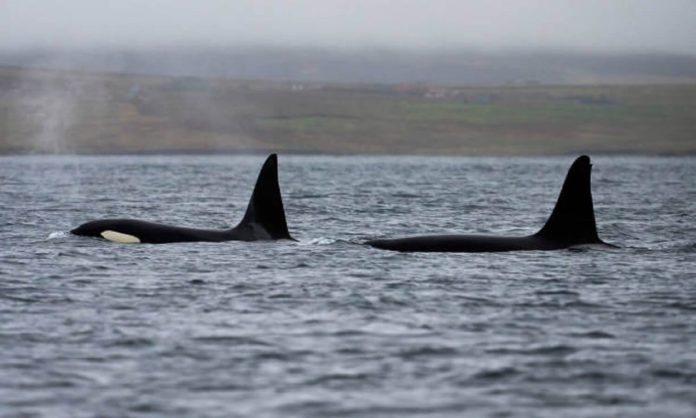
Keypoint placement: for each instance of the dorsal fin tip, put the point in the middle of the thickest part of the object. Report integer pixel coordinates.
(271, 163)
(582, 161)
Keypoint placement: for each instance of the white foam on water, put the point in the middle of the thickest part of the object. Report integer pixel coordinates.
(57, 235)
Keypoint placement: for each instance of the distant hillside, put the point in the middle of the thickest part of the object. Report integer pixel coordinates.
(78, 112)
(379, 66)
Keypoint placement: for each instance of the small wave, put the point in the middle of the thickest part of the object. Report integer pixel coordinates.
(674, 374)
(231, 340)
(594, 247)
(291, 356)
(349, 333)
(405, 195)
(309, 196)
(496, 374)
(613, 400)
(319, 241)
(57, 235)
(687, 248)
(145, 407)
(594, 376)
(581, 304)
(594, 335)
(212, 387)
(427, 351)
(559, 292)
(542, 350)
(682, 305)
(133, 342)
(19, 298)
(337, 378)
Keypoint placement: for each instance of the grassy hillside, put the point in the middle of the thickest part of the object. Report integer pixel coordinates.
(47, 111)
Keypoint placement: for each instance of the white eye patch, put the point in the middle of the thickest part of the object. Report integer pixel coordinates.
(119, 237)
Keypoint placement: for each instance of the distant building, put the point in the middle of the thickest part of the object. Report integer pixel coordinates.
(411, 88)
(437, 93)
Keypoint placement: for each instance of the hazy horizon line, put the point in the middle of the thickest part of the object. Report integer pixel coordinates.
(347, 50)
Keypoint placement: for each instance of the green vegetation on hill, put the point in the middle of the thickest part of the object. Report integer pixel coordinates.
(46, 111)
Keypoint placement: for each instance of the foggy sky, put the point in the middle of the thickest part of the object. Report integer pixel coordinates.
(588, 25)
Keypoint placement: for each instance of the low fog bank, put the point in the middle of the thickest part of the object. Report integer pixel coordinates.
(461, 67)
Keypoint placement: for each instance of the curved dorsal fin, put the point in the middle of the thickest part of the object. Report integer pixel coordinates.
(266, 205)
(572, 219)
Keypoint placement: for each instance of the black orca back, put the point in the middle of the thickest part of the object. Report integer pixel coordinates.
(572, 220)
(266, 205)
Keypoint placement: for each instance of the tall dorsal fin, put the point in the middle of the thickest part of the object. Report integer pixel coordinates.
(573, 220)
(266, 205)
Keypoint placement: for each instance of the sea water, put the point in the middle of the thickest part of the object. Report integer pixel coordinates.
(328, 327)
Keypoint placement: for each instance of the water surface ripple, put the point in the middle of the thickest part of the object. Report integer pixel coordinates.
(327, 327)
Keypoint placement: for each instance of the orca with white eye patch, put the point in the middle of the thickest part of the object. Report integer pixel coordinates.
(264, 220)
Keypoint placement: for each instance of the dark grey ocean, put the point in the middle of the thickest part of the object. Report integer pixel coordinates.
(327, 327)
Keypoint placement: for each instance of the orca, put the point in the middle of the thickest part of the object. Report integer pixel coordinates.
(264, 220)
(571, 224)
